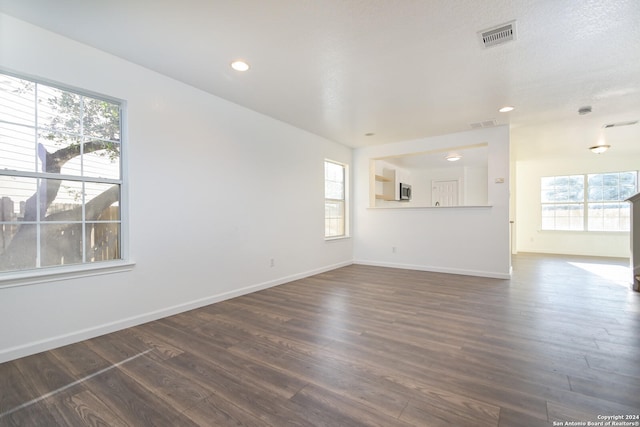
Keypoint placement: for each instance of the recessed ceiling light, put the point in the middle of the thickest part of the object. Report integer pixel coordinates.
(507, 108)
(239, 65)
(453, 157)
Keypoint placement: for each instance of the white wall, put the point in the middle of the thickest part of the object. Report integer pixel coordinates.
(635, 238)
(464, 240)
(249, 188)
(530, 238)
(475, 186)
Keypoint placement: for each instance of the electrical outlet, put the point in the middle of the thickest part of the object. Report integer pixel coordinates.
(393, 249)
(272, 263)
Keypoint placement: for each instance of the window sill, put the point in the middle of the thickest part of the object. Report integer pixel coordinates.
(461, 207)
(592, 232)
(333, 239)
(53, 274)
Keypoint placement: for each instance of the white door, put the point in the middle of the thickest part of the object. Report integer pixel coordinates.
(444, 193)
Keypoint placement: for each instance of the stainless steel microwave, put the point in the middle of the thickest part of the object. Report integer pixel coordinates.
(405, 191)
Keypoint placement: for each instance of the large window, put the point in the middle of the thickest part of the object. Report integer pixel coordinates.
(335, 223)
(593, 202)
(60, 178)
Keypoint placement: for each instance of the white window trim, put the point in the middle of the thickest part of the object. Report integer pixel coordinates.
(347, 214)
(585, 205)
(329, 239)
(56, 273)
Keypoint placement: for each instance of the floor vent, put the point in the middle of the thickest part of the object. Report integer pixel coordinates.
(484, 124)
(498, 35)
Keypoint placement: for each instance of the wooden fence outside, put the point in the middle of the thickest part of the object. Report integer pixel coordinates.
(102, 238)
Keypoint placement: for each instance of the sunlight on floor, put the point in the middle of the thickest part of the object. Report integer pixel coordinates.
(619, 274)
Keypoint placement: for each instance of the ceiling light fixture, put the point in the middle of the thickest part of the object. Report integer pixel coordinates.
(599, 149)
(584, 110)
(239, 65)
(453, 157)
(613, 125)
(507, 108)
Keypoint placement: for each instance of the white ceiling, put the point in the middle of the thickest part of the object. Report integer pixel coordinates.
(401, 69)
(475, 156)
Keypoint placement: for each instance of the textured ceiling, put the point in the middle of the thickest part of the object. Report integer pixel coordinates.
(401, 69)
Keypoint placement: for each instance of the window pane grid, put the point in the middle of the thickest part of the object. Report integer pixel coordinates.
(18, 146)
(61, 180)
(334, 190)
(17, 103)
(600, 207)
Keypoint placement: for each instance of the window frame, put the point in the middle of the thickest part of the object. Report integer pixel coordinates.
(344, 200)
(40, 274)
(585, 203)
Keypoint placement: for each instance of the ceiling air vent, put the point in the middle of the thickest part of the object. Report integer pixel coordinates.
(613, 125)
(498, 35)
(484, 124)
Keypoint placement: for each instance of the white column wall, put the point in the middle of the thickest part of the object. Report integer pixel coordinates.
(461, 240)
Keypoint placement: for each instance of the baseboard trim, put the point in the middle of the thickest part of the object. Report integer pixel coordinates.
(476, 273)
(92, 332)
(596, 253)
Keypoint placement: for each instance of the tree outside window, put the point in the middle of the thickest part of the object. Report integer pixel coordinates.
(593, 202)
(607, 209)
(61, 179)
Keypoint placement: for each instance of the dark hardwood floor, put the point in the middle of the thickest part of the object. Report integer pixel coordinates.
(359, 346)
